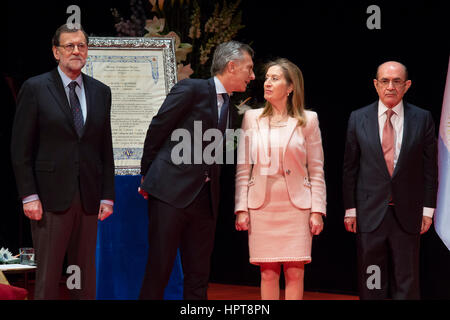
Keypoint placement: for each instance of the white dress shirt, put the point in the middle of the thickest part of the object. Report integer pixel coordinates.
(79, 90)
(219, 90)
(397, 121)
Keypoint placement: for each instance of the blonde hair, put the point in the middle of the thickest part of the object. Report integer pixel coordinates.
(296, 99)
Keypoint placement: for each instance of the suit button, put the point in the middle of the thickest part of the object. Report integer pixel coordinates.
(288, 171)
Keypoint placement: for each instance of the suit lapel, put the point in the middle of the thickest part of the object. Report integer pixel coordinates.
(88, 92)
(57, 90)
(371, 127)
(408, 134)
(263, 129)
(291, 125)
(213, 101)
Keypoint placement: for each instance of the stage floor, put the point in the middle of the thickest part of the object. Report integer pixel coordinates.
(218, 291)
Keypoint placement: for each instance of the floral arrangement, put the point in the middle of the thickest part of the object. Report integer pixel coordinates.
(196, 27)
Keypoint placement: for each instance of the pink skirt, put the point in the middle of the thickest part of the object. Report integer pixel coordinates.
(279, 232)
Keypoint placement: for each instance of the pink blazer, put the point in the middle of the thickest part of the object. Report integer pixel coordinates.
(302, 163)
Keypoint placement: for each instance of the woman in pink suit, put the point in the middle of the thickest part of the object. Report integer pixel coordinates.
(280, 185)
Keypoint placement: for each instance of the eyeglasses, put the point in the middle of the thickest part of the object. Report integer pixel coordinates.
(82, 47)
(396, 83)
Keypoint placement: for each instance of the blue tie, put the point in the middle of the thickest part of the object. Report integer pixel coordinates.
(224, 113)
(75, 106)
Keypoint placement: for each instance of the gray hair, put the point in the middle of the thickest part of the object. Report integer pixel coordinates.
(226, 52)
(66, 28)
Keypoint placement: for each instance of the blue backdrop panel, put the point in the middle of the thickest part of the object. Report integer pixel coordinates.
(122, 246)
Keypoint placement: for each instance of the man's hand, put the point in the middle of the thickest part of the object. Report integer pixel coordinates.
(33, 209)
(105, 211)
(242, 221)
(143, 192)
(350, 224)
(426, 223)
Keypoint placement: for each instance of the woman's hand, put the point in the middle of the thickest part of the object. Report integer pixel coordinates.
(316, 223)
(242, 221)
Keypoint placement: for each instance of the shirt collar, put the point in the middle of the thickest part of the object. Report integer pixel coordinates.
(219, 86)
(398, 109)
(66, 80)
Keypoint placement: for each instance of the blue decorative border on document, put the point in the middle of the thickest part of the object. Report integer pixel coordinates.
(127, 153)
(153, 60)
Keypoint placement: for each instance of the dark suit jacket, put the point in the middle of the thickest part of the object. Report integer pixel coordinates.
(191, 105)
(367, 185)
(47, 154)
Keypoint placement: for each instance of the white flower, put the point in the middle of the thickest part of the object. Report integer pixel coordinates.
(154, 26)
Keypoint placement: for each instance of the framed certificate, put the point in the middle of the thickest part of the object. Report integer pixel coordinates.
(140, 73)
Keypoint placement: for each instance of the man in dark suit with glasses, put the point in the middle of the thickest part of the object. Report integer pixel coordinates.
(63, 162)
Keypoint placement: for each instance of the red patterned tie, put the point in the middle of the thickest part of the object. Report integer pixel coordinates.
(388, 142)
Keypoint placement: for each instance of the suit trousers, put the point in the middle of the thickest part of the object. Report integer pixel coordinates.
(73, 232)
(388, 261)
(190, 229)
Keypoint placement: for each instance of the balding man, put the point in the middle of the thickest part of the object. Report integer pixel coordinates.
(389, 186)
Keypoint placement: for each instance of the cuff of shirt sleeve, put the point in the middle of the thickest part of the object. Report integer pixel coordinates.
(30, 198)
(323, 214)
(428, 212)
(110, 202)
(350, 213)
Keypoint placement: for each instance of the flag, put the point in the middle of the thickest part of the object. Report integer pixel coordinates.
(442, 215)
